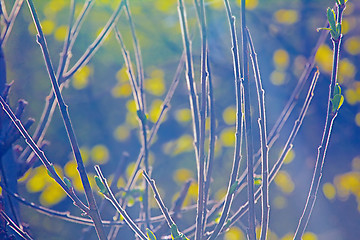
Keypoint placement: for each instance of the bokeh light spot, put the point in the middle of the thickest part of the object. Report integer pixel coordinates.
(281, 59)
(277, 78)
(352, 45)
(60, 33)
(229, 115)
(227, 137)
(183, 115)
(121, 133)
(100, 154)
(287, 17)
(234, 233)
(329, 191)
(182, 175)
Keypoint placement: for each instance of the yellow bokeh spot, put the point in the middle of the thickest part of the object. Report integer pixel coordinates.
(121, 182)
(234, 233)
(220, 194)
(70, 169)
(324, 58)
(122, 75)
(155, 84)
(183, 115)
(121, 90)
(80, 80)
(277, 78)
(352, 45)
(53, 7)
(227, 137)
(60, 33)
(100, 154)
(217, 4)
(289, 156)
(351, 96)
(347, 68)
(26, 175)
(347, 183)
(284, 182)
(184, 144)
(155, 110)
(329, 191)
(131, 106)
(131, 119)
(107, 36)
(52, 195)
(32, 29)
(229, 115)
(279, 202)
(309, 236)
(356, 163)
(121, 133)
(48, 27)
(286, 16)
(281, 59)
(38, 181)
(288, 236)
(165, 6)
(84, 151)
(129, 170)
(182, 175)
(249, 4)
(77, 184)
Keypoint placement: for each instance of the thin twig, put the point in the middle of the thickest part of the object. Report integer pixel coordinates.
(50, 104)
(263, 141)
(199, 4)
(110, 196)
(287, 147)
(93, 211)
(212, 142)
(247, 125)
(239, 125)
(15, 227)
(9, 20)
(322, 149)
(190, 74)
(90, 51)
(40, 154)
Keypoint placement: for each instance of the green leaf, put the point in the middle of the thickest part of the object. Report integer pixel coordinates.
(338, 29)
(150, 234)
(100, 185)
(337, 89)
(337, 101)
(174, 232)
(233, 187)
(331, 18)
(50, 174)
(68, 183)
(257, 180)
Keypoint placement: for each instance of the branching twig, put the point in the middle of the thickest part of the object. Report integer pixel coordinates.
(105, 189)
(288, 146)
(239, 126)
(9, 20)
(15, 227)
(263, 141)
(40, 154)
(331, 114)
(93, 212)
(199, 4)
(247, 125)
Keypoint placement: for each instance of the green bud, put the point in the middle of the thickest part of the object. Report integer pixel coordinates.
(68, 183)
(331, 18)
(337, 89)
(337, 101)
(100, 185)
(50, 174)
(150, 234)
